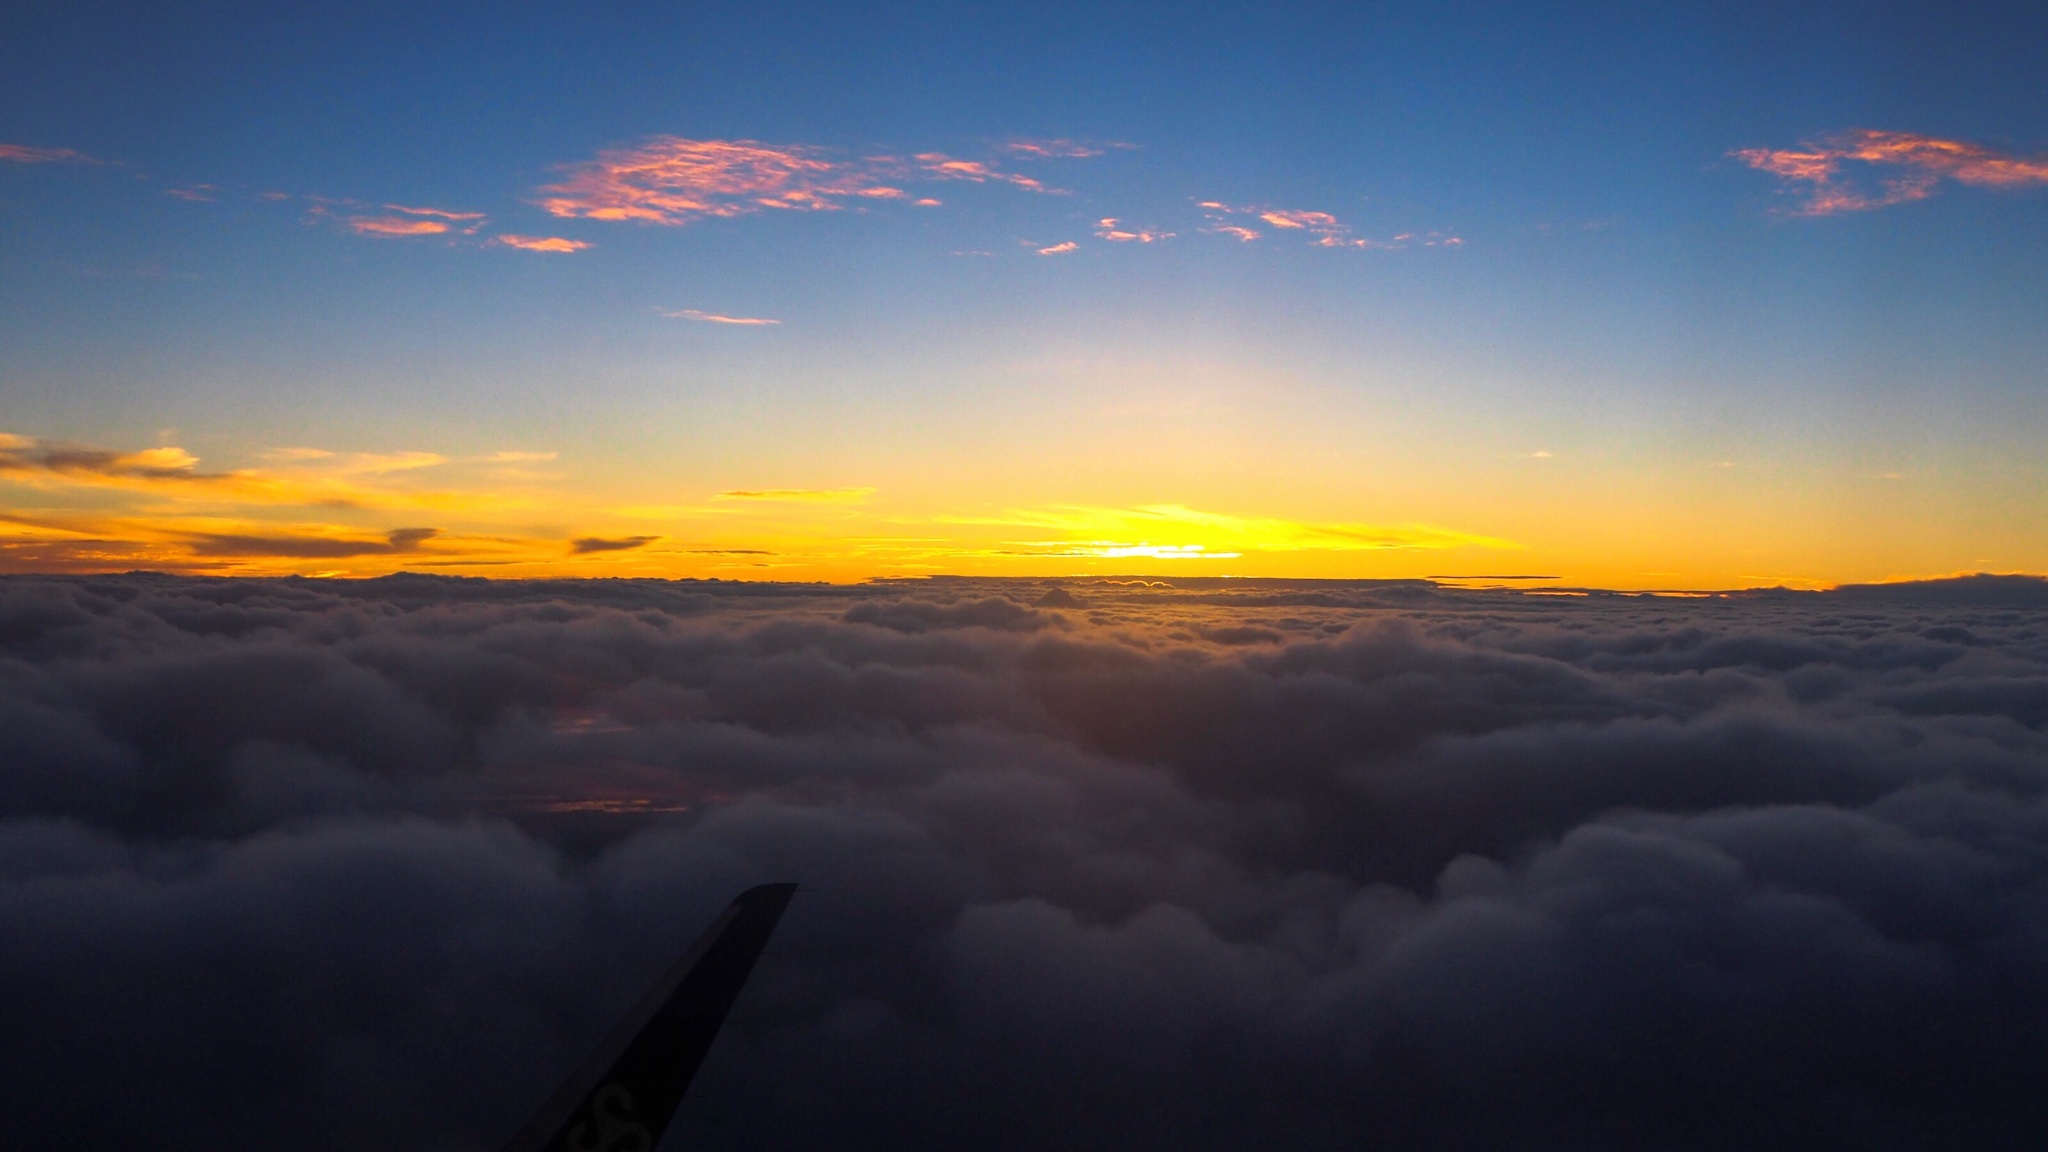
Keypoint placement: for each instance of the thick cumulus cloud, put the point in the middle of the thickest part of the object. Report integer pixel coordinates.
(340, 865)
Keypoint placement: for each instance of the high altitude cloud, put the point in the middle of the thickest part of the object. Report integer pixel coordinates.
(24, 154)
(540, 243)
(1109, 229)
(1327, 230)
(718, 318)
(1200, 864)
(672, 180)
(1057, 149)
(1864, 169)
(417, 222)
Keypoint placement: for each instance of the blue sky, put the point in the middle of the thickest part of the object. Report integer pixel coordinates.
(1626, 296)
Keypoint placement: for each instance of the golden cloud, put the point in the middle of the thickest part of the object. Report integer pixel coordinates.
(306, 477)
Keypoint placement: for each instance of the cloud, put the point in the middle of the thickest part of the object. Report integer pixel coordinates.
(672, 180)
(1327, 230)
(1056, 149)
(400, 540)
(586, 544)
(437, 213)
(800, 495)
(23, 154)
(196, 193)
(940, 166)
(28, 455)
(1323, 226)
(341, 463)
(84, 507)
(1189, 864)
(1059, 249)
(716, 318)
(540, 243)
(410, 221)
(395, 226)
(1108, 229)
(1860, 170)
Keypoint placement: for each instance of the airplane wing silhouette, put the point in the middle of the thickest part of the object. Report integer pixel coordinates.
(623, 1096)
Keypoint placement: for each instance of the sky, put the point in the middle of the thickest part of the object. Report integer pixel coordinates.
(1635, 296)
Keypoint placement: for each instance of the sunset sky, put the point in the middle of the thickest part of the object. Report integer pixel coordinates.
(1638, 296)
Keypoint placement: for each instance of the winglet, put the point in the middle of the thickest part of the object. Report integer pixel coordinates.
(623, 1096)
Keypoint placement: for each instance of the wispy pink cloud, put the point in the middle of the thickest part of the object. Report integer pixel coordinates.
(1059, 249)
(715, 318)
(672, 180)
(943, 167)
(439, 213)
(540, 243)
(1055, 149)
(395, 226)
(23, 154)
(1864, 169)
(1108, 229)
(415, 222)
(1325, 228)
(197, 193)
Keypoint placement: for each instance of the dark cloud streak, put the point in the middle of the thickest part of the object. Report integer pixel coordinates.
(583, 545)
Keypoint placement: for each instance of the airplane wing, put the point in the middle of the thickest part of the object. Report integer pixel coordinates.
(622, 1097)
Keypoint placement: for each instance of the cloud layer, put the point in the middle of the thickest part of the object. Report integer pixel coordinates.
(1200, 864)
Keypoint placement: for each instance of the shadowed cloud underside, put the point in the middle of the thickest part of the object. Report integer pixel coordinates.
(1166, 864)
